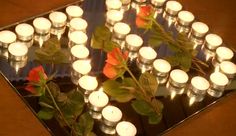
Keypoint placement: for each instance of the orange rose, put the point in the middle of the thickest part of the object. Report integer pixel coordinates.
(141, 18)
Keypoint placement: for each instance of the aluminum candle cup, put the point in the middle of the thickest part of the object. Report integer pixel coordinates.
(184, 20)
(6, 38)
(112, 17)
(121, 30)
(80, 68)
(17, 65)
(146, 56)
(228, 68)
(177, 82)
(79, 52)
(218, 82)
(97, 100)
(58, 20)
(78, 24)
(42, 25)
(133, 43)
(125, 5)
(77, 38)
(74, 12)
(197, 89)
(25, 33)
(222, 54)
(171, 11)
(158, 6)
(18, 51)
(213, 41)
(4, 53)
(136, 4)
(88, 84)
(125, 128)
(111, 115)
(161, 69)
(113, 4)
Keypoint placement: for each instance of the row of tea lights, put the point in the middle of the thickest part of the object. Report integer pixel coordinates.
(176, 80)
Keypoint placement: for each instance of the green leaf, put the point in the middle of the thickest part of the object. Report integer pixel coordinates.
(120, 92)
(85, 125)
(54, 88)
(154, 118)
(46, 113)
(109, 46)
(149, 83)
(142, 107)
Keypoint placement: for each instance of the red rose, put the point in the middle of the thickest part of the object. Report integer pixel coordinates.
(143, 14)
(35, 77)
(114, 62)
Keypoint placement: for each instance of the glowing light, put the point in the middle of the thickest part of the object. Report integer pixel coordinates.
(191, 101)
(172, 95)
(59, 36)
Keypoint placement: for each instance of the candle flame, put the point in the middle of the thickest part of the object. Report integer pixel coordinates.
(172, 95)
(191, 101)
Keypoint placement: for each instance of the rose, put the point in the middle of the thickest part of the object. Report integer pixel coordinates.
(142, 20)
(115, 62)
(37, 78)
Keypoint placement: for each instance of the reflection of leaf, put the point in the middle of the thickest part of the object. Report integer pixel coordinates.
(46, 113)
(154, 119)
(85, 125)
(149, 83)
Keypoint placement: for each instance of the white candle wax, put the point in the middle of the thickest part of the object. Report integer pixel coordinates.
(82, 66)
(200, 83)
(219, 79)
(112, 113)
(147, 53)
(113, 4)
(88, 83)
(186, 16)
(125, 128)
(79, 51)
(58, 19)
(74, 11)
(78, 24)
(42, 25)
(179, 76)
(18, 49)
(122, 28)
(200, 28)
(7, 37)
(158, 2)
(24, 31)
(114, 16)
(98, 99)
(228, 67)
(173, 7)
(78, 37)
(134, 40)
(213, 41)
(162, 66)
(224, 53)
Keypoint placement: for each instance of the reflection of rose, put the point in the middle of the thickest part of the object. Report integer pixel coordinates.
(141, 18)
(114, 62)
(35, 77)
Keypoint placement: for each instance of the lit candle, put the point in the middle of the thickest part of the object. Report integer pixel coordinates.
(18, 51)
(88, 83)
(228, 68)
(82, 67)
(78, 24)
(218, 83)
(24, 32)
(212, 41)
(113, 16)
(161, 70)
(158, 3)
(125, 128)
(113, 4)
(58, 19)
(147, 55)
(199, 29)
(78, 38)
(224, 54)
(121, 30)
(6, 38)
(173, 7)
(42, 25)
(185, 18)
(133, 42)
(79, 52)
(111, 115)
(98, 100)
(74, 12)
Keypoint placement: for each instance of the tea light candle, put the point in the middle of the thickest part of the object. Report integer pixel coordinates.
(218, 83)
(173, 7)
(88, 83)
(158, 3)
(79, 52)
(42, 25)
(113, 16)
(161, 66)
(228, 68)
(74, 12)
(199, 29)
(147, 55)
(133, 42)
(125, 128)
(212, 41)
(58, 19)
(98, 100)
(78, 24)
(224, 54)
(78, 38)
(24, 32)
(111, 115)
(6, 38)
(121, 30)
(81, 67)
(185, 18)
(18, 51)
(113, 4)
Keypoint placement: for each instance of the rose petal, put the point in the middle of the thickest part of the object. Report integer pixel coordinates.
(109, 71)
(31, 89)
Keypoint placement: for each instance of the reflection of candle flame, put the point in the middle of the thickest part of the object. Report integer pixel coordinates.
(143, 70)
(40, 42)
(208, 56)
(169, 23)
(217, 69)
(100, 89)
(191, 101)
(59, 36)
(172, 95)
(195, 46)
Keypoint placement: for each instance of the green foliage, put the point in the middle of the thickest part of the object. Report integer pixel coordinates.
(85, 125)
(149, 83)
(51, 53)
(46, 113)
(101, 39)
